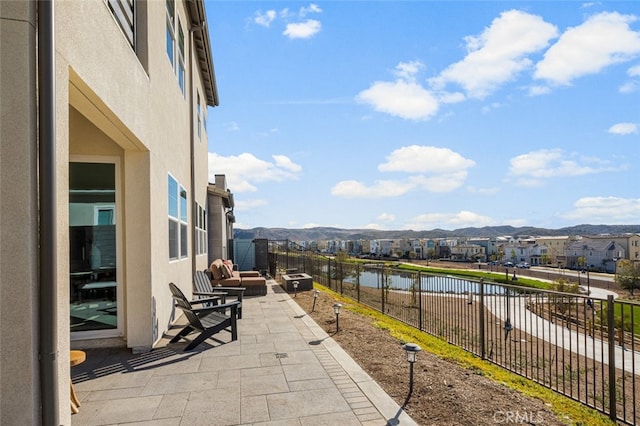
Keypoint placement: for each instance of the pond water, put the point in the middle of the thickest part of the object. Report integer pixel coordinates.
(428, 283)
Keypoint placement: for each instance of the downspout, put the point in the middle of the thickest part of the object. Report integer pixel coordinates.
(194, 212)
(48, 334)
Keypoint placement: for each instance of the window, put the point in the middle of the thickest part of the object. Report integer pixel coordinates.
(204, 119)
(124, 12)
(174, 230)
(175, 47)
(178, 220)
(184, 240)
(198, 112)
(201, 230)
(181, 73)
(104, 216)
(171, 37)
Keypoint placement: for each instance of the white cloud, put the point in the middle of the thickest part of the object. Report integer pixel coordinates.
(533, 168)
(375, 226)
(380, 189)
(245, 171)
(483, 191)
(629, 87)
(264, 19)
(305, 29)
(633, 85)
(450, 221)
(248, 205)
(312, 8)
(286, 163)
(539, 90)
(623, 129)
(401, 99)
(311, 225)
(425, 159)
(451, 97)
(433, 169)
(407, 71)
(302, 29)
(386, 217)
(498, 54)
(445, 182)
(610, 210)
(491, 107)
(602, 40)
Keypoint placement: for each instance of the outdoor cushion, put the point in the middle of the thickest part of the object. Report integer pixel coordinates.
(215, 269)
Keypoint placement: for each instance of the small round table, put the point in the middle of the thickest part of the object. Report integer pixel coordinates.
(75, 358)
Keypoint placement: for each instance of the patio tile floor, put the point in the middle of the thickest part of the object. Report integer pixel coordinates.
(272, 376)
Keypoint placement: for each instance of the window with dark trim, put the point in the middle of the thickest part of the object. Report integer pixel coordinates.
(124, 13)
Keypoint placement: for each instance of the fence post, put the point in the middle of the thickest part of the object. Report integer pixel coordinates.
(287, 256)
(483, 354)
(382, 290)
(611, 330)
(358, 282)
(329, 272)
(419, 301)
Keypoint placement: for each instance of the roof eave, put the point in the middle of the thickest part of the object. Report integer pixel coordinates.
(202, 47)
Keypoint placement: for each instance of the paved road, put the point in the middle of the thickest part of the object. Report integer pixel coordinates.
(559, 335)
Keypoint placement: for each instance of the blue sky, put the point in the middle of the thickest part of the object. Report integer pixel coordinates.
(427, 114)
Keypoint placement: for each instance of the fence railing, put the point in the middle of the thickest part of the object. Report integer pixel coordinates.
(582, 346)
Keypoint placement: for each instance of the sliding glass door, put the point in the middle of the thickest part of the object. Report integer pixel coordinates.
(93, 224)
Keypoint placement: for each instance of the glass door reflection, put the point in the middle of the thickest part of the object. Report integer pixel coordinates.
(92, 240)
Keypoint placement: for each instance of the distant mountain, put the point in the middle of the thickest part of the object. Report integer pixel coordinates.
(327, 233)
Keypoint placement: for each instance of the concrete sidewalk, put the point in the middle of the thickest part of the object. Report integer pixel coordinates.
(283, 370)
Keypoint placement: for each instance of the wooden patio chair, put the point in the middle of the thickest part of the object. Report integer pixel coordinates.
(204, 289)
(206, 320)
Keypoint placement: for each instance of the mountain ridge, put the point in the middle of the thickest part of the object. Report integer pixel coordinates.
(332, 233)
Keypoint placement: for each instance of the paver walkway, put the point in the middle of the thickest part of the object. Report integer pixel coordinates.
(283, 370)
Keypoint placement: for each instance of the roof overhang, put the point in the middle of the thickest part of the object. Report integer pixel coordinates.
(202, 47)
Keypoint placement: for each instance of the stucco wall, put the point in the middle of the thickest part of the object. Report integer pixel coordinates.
(109, 103)
(142, 111)
(19, 370)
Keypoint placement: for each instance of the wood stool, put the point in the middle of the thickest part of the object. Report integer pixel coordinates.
(75, 358)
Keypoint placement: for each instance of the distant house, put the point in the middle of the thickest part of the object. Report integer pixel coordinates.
(490, 245)
(468, 253)
(599, 254)
(629, 242)
(123, 89)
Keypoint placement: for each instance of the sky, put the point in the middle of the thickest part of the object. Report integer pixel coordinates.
(417, 115)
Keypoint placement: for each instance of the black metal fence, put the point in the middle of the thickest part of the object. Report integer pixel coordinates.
(582, 346)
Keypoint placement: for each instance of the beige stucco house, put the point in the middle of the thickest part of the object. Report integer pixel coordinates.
(112, 97)
(221, 218)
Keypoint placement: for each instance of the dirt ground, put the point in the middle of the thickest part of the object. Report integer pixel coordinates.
(444, 393)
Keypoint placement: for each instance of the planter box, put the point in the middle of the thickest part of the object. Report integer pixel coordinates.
(305, 282)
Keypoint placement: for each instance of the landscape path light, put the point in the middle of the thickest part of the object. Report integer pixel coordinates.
(315, 297)
(412, 356)
(336, 309)
(295, 288)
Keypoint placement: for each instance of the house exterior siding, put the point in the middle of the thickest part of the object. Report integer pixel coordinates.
(114, 103)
